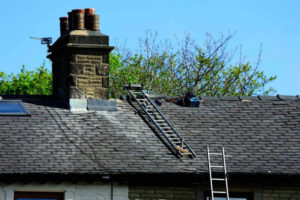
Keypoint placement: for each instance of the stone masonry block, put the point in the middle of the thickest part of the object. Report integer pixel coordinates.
(82, 82)
(95, 81)
(76, 68)
(105, 58)
(94, 57)
(102, 69)
(83, 61)
(79, 57)
(95, 61)
(101, 93)
(89, 69)
(105, 82)
(77, 93)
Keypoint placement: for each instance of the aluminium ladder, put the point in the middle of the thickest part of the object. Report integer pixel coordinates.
(158, 119)
(214, 179)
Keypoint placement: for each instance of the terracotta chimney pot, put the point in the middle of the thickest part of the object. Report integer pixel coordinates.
(78, 19)
(89, 11)
(64, 25)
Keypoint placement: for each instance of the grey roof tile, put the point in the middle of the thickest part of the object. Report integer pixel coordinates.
(260, 135)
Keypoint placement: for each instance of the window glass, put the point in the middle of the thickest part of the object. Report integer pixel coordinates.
(12, 107)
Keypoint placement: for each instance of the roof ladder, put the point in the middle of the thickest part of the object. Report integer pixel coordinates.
(159, 120)
(212, 179)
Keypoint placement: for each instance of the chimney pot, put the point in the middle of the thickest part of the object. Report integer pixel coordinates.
(91, 19)
(78, 11)
(64, 25)
(95, 22)
(89, 11)
(78, 19)
(70, 21)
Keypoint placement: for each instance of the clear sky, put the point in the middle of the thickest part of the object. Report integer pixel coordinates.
(274, 23)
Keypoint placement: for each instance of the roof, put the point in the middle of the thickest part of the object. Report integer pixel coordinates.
(262, 135)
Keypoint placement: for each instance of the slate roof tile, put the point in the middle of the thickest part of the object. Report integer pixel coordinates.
(261, 136)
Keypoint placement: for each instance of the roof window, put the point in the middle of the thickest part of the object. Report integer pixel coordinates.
(13, 107)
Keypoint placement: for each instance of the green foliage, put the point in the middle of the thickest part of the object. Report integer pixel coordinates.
(163, 69)
(36, 82)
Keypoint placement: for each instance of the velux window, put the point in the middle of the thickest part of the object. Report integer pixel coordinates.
(13, 107)
(39, 196)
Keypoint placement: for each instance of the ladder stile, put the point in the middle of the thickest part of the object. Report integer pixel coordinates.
(210, 176)
(212, 179)
(225, 173)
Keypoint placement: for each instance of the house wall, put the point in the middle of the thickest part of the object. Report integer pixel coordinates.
(161, 193)
(279, 193)
(197, 193)
(95, 191)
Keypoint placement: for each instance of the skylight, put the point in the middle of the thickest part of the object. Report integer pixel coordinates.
(12, 107)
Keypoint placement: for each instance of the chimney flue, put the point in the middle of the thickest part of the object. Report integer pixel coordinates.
(89, 11)
(91, 20)
(78, 19)
(64, 25)
(70, 21)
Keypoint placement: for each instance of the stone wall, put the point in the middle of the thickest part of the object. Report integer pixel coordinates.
(80, 65)
(279, 193)
(89, 76)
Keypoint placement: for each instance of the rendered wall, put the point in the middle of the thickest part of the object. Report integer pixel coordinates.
(96, 191)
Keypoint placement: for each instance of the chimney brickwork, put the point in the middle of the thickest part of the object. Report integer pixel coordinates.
(80, 60)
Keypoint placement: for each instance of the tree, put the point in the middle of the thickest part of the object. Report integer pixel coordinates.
(164, 68)
(35, 82)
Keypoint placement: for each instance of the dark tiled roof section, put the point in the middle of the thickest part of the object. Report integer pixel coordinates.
(262, 136)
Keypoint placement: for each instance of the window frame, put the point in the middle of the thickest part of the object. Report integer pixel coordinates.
(247, 195)
(39, 195)
(20, 104)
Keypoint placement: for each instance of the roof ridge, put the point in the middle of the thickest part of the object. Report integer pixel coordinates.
(278, 97)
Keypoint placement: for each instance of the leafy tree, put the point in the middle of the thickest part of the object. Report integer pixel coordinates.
(35, 82)
(173, 70)
(164, 68)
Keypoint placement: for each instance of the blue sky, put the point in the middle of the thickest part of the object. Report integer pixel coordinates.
(274, 23)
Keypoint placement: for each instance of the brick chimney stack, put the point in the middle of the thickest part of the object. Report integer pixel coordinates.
(80, 57)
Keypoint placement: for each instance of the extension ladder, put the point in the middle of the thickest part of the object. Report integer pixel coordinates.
(214, 179)
(159, 120)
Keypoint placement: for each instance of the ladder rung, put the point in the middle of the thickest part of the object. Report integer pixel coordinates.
(218, 179)
(219, 192)
(217, 166)
(182, 150)
(159, 120)
(215, 154)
